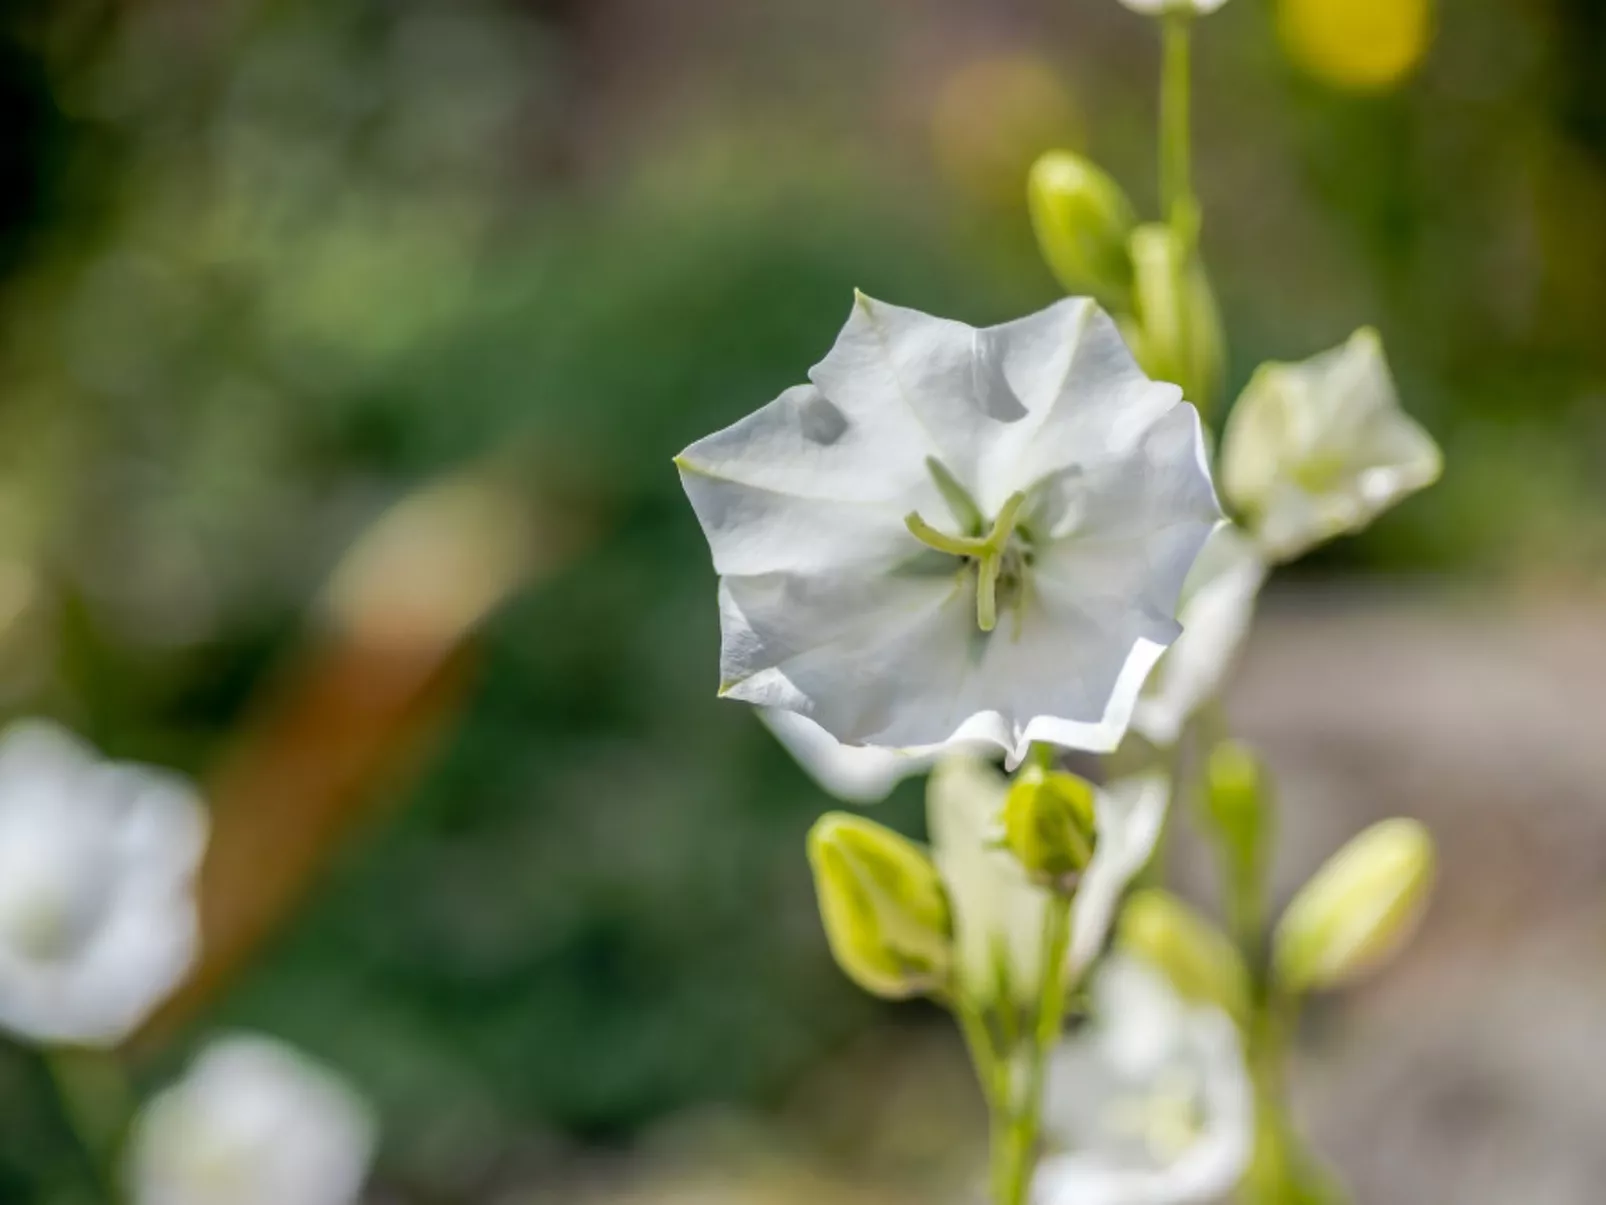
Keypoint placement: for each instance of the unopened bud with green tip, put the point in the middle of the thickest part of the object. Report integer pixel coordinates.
(885, 910)
(1167, 8)
(1237, 803)
(1357, 910)
(1083, 223)
(1196, 956)
(1175, 328)
(1050, 825)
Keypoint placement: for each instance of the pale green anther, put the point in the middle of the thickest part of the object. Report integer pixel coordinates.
(1004, 525)
(987, 590)
(968, 546)
(987, 551)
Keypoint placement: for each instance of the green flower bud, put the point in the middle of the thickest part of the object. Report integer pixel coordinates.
(1237, 803)
(1175, 330)
(1049, 823)
(885, 911)
(1358, 908)
(1196, 956)
(1083, 222)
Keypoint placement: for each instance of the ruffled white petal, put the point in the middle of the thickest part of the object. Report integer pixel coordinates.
(1147, 1052)
(1129, 814)
(832, 609)
(853, 773)
(1218, 603)
(253, 1123)
(1320, 448)
(1088, 404)
(924, 382)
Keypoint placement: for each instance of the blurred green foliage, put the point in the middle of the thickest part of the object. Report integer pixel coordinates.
(269, 265)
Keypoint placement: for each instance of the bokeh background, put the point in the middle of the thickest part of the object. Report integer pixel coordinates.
(344, 345)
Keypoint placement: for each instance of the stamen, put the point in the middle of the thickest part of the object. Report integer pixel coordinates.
(1004, 525)
(965, 511)
(988, 552)
(987, 590)
(965, 546)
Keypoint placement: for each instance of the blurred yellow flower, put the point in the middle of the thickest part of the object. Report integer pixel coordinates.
(1361, 45)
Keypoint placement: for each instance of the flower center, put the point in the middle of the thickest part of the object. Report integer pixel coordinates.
(998, 558)
(1320, 474)
(55, 893)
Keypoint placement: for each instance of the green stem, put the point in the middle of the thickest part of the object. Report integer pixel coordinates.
(1153, 873)
(1283, 1172)
(992, 1075)
(1246, 907)
(1177, 204)
(983, 1056)
(97, 1104)
(1050, 1020)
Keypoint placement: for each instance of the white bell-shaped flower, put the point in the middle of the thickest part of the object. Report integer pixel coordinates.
(1151, 1104)
(97, 867)
(253, 1123)
(1319, 448)
(998, 912)
(955, 534)
(1218, 603)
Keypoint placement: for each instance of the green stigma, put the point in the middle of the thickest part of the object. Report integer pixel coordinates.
(993, 554)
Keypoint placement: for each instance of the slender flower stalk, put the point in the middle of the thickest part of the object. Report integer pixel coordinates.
(1049, 1023)
(1177, 203)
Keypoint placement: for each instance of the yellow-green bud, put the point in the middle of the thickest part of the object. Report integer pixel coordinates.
(1083, 222)
(885, 911)
(1049, 823)
(1196, 956)
(1358, 908)
(1175, 329)
(1237, 803)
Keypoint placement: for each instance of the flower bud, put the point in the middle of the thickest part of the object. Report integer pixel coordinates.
(1357, 909)
(1237, 804)
(885, 911)
(1198, 959)
(1083, 222)
(1162, 8)
(1176, 329)
(1049, 823)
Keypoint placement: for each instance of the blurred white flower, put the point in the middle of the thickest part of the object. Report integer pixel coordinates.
(956, 534)
(97, 867)
(253, 1123)
(1218, 602)
(1150, 1105)
(1319, 448)
(997, 911)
